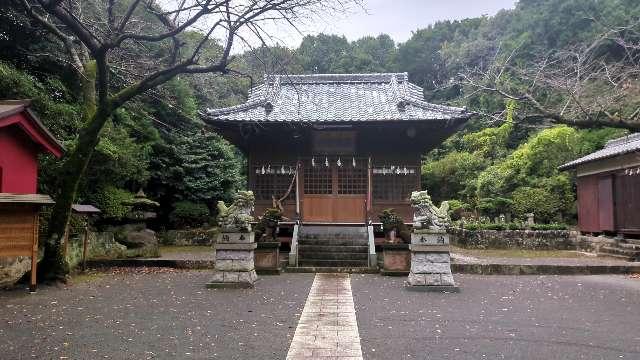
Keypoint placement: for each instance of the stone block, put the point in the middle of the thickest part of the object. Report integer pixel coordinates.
(430, 238)
(396, 260)
(235, 238)
(233, 255)
(430, 268)
(417, 279)
(425, 257)
(247, 277)
(217, 277)
(266, 259)
(229, 276)
(429, 248)
(447, 279)
(247, 247)
(234, 265)
(433, 279)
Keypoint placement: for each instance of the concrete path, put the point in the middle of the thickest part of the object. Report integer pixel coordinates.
(327, 328)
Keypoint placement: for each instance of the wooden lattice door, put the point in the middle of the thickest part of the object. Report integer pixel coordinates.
(335, 193)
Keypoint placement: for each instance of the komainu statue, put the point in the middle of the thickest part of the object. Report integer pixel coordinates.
(428, 216)
(237, 217)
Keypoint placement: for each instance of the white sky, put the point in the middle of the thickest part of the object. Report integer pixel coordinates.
(398, 18)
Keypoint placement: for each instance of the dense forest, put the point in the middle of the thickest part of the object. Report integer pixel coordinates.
(503, 162)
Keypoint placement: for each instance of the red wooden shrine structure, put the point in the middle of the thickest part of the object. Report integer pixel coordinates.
(22, 138)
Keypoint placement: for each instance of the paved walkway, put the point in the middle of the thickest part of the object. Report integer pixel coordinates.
(327, 328)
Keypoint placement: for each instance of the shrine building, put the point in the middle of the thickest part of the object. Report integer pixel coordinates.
(355, 141)
(333, 151)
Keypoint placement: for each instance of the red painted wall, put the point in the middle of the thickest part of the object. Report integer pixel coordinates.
(18, 162)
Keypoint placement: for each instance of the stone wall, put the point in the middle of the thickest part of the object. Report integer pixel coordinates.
(205, 237)
(513, 239)
(101, 246)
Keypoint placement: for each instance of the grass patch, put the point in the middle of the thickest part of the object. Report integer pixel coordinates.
(517, 253)
(184, 249)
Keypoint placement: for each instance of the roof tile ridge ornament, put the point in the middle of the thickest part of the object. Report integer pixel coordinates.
(271, 93)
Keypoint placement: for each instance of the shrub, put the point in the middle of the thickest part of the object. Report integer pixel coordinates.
(392, 221)
(456, 208)
(109, 200)
(267, 224)
(189, 214)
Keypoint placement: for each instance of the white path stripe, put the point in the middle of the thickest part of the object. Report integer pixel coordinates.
(327, 326)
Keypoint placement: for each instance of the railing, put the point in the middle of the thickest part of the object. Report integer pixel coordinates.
(293, 253)
(373, 258)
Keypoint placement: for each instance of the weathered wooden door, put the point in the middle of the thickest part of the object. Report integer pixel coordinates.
(605, 203)
(333, 193)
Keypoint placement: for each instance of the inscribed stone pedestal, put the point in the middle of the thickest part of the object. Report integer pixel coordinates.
(234, 264)
(430, 262)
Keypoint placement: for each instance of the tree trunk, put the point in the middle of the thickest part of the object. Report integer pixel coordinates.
(55, 264)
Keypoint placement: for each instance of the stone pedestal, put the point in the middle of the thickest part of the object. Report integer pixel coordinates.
(267, 258)
(234, 264)
(430, 262)
(396, 259)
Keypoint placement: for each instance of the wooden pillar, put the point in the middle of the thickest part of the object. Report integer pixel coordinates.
(369, 187)
(34, 252)
(298, 189)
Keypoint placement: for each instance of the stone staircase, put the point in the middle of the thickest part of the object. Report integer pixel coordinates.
(625, 249)
(333, 246)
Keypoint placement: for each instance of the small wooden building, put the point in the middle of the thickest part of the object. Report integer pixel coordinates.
(335, 148)
(22, 138)
(609, 188)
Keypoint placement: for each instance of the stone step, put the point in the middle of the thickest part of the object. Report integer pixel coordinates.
(331, 237)
(333, 230)
(333, 263)
(618, 251)
(320, 269)
(632, 241)
(331, 248)
(629, 246)
(614, 256)
(334, 242)
(314, 255)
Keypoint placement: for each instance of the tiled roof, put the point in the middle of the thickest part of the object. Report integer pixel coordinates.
(12, 107)
(6, 198)
(620, 146)
(334, 98)
(85, 209)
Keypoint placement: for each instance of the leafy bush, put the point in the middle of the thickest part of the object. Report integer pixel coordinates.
(456, 208)
(267, 224)
(541, 202)
(189, 214)
(392, 221)
(109, 200)
(495, 206)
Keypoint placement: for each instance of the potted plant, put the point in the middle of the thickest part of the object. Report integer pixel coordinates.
(266, 227)
(390, 224)
(267, 253)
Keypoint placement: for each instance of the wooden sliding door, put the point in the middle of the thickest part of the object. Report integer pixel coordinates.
(334, 192)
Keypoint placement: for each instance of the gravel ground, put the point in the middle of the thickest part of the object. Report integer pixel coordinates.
(167, 314)
(153, 314)
(501, 317)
